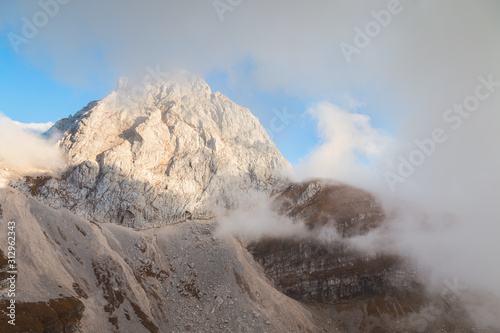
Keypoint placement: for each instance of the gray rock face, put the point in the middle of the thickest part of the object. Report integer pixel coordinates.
(170, 153)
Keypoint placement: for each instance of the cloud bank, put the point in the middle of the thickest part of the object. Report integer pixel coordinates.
(22, 149)
(441, 211)
(295, 45)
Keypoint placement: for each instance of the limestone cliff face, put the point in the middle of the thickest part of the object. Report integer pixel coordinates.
(161, 156)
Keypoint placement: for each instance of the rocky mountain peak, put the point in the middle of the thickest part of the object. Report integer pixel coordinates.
(161, 152)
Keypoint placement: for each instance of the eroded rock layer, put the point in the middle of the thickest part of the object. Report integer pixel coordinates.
(326, 268)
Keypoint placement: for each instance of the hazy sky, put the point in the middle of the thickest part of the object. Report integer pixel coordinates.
(365, 86)
(58, 55)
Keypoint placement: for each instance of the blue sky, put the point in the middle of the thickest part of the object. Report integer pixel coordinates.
(30, 94)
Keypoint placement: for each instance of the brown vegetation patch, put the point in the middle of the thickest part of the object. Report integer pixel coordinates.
(79, 291)
(83, 232)
(114, 322)
(243, 285)
(189, 289)
(57, 315)
(4, 262)
(148, 270)
(75, 256)
(148, 324)
(36, 183)
(107, 276)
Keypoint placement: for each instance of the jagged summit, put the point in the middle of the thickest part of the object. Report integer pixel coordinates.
(162, 152)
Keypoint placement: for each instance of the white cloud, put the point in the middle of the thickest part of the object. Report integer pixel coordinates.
(255, 218)
(349, 147)
(21, 149)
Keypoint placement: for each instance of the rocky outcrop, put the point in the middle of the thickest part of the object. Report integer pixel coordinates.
(320, 203)
(61, 315)
(166, 155)
(312, 272)
(325, 268)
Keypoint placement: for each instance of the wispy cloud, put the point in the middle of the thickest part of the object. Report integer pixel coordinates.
(255, 217)
(34, 127)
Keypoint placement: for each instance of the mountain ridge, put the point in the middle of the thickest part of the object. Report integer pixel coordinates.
(126, 238)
